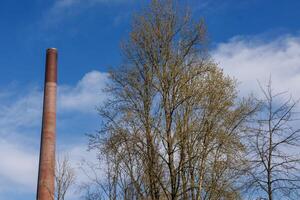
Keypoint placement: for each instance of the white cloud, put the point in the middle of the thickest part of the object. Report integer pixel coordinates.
(17, 166)
(22, 112)
(251, 60)
(20, 122)
(86, 95)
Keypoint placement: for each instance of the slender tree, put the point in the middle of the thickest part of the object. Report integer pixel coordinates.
(274, 170)
(64, 178)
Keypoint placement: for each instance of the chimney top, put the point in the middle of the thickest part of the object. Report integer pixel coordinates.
(51, 65)
(51, 49)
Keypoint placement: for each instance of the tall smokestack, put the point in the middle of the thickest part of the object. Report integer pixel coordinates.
(46, 177)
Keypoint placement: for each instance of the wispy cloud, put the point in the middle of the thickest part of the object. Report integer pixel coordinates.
(62, 9)
(22, 112)
(219, 6)
(69, 3)
(251, 58)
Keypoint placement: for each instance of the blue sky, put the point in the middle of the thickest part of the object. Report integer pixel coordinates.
(250, 39)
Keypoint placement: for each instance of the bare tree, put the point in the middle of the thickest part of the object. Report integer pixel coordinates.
(274, 172)
(171, 128)
(102, 179)
(64, 177)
